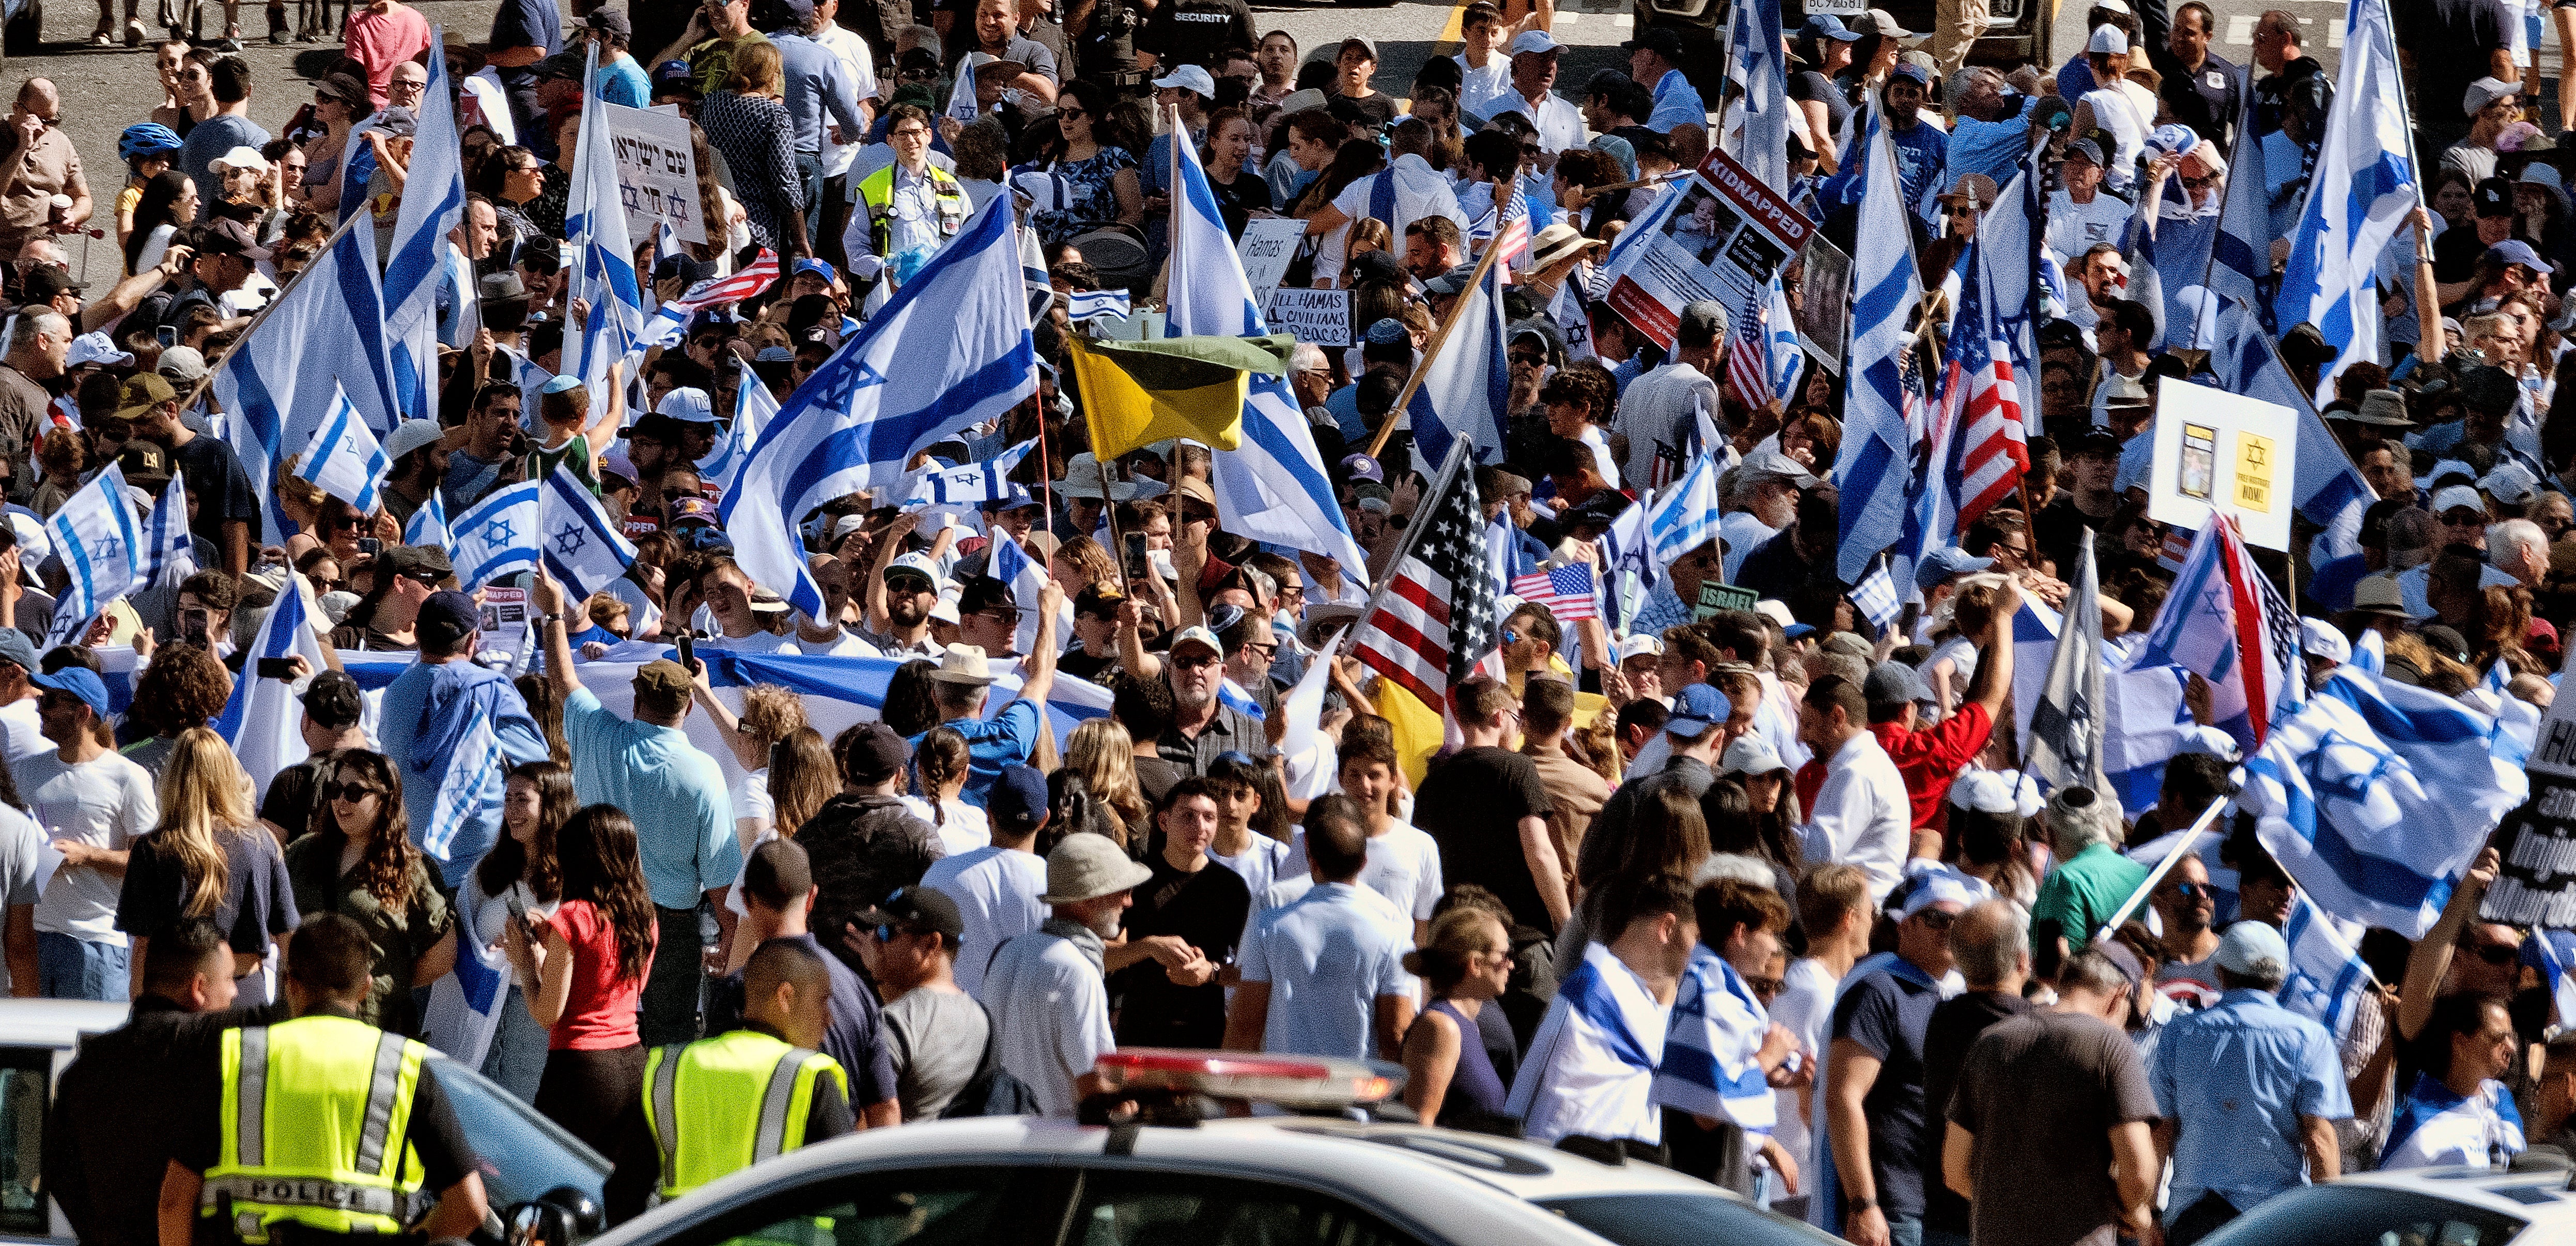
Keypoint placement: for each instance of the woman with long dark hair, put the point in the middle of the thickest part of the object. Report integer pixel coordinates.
(358, 861)
(169, 204)
(1094, 160)
(520, 881)
(590, 976)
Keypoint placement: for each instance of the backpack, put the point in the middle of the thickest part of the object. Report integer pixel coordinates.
(992, 1091)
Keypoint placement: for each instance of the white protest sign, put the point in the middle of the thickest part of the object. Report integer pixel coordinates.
(656, 169)
(1266, 248)
(2220, 451)
(1723, 239)
(1322, 317)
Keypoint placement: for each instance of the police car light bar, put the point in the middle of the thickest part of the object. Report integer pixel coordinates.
(1288, 1082)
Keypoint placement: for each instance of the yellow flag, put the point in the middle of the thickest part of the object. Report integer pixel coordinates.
(1417, 729)
(1139, 393)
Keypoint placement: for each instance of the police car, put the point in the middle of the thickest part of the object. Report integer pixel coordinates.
(2432, 1206)
(1244, 1181)
(524, 1155)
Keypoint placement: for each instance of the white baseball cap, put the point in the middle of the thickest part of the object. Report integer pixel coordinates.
(1189, 78)
(1641, 645)
(1535, 41)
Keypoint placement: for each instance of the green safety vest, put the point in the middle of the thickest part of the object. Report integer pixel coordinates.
(312, 1110)
(697, 1099)
(876, 194)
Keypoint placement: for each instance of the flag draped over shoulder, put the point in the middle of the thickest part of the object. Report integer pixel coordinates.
(2376, 796)
(1137, 393)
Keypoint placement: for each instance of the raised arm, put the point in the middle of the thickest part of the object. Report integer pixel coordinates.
(550, 603)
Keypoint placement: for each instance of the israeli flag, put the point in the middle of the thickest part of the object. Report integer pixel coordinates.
(950, 349)
(470, 788)
(2240, 260)
(2066, 732)
(100, 542)
(499, 536)
(433, 204)
(1627, 555)
(2553, 953)
(2376, 796)
(1602, 1035)
(1710, 1065)
(2517, 721)
(428, 525)
(2370, 653)
(1876, 597)
(2328, 980)
(465, 1006)
(1762, 108)
(1027, 577)
(1466, 389)
(1876, 461)
(324, 336)
(1780, 331)
(753, 407)
(168, 555)
(579, 544)
(955, 490)
(595, 222)
(1086, 306)
(344, 459)
(262, 720)
(1273, 487)
(2363, 189)
(1685, 517)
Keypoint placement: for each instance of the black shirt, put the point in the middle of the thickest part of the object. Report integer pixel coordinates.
(1196, 32)
(1237, 200)
(2207, 100)
(1471, 805)
(223, 490)
(1807, 84)
(1206, 910)
(2465, 32)
(159, 1066)
(1377, 106)
(639, 1158)
(291, 796)
(1956, 1023)
(2060, 530)
(862, 848)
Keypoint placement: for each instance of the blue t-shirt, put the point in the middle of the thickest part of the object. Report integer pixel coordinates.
(1887, 1014)
(525, 24)
(1008, 738)
(622, 81)
(213, 137)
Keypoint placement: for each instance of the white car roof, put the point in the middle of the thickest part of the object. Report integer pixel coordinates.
(2539, 1195)
(56, 1022)
(1442, 1180)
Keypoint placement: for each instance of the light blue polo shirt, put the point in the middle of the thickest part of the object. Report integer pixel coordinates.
(674, 792)
(1327, 959)
(2237, 1078)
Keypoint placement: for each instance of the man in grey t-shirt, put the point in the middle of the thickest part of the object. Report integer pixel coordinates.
(935, 1032)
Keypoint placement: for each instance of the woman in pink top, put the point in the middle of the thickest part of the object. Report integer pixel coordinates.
(590, 972)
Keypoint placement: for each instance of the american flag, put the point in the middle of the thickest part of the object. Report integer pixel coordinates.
(753, 279)
(1566, 591)
(1981, 410)
(1435, 617)
(1513, 212)
(1748, 360)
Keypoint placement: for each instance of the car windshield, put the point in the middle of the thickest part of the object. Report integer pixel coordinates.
(524, 1155)
(1661, 1219)
(2366, 1215)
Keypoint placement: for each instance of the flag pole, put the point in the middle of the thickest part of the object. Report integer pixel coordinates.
(2136, 898)
(215, 368)
(1459, 451)
(1440, 336)
(1108, 479)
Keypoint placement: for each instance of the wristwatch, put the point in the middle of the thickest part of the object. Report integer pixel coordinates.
(1857, 1204)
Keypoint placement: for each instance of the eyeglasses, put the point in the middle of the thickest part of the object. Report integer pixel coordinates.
(1268, 652)
(912, 132)
(1765, 988)
(352, 793)
(2193, 891)
(405, 87)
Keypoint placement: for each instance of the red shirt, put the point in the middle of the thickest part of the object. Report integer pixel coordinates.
(1930, 758)
(600, 1014)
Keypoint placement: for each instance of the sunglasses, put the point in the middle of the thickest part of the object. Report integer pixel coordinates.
(352, 793)
(2493, 953)
(1531, 358)
(1194, 663)
(1070, 114)
(2193, 891)
(1935, 920)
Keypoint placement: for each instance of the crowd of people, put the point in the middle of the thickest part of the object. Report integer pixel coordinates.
(1760, 893)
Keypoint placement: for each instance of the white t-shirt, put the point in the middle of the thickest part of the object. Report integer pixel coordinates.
(757, 642)
(962, 827)
(2128, 111)
(22, 732)
(106, 802)
(2075, 228)
(848, 646)
(751, 797)
(1805, 1005)
(1486, 90)
(996, 890)
(1420, 191)
(1403, 865)
(1259, 864)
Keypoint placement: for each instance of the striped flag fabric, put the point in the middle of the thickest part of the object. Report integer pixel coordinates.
(1748, 352)
(472, 785)
(580, 545)
(344, 459)
(1626, 550)
(604, 274)
(499, 536)
(1466, 390)
(1875, 467)
(98, 538)
(2328, 980)
(2067, 728)
(1710, 1065)
(1568, 592)
(670, 322)
(428, 525)
(167, 555)
(1876, 598)
(2553, 953)
(2223, 621)
(2376, 796)
(1231, 695)
(416, 266)
(1434, 616)
(2364, 186)
(968, 485)
(1686, 516)
(1090, 306)
(2328, 487)
(261, 719)
(1027, 577)
(1987, 448)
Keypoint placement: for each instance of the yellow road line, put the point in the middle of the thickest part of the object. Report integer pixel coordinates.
(1453, 33)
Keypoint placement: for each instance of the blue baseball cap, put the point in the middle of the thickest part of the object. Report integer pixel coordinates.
(80, 681)
(2516, 251)
(1697, 710)
(1949, 560)
(1827, 26)
(1018, 797)
(809, 264)
(1914, 73)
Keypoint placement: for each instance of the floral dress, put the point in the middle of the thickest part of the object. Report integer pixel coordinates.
(1090, 194)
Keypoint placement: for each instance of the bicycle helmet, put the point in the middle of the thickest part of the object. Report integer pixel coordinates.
(150, 138)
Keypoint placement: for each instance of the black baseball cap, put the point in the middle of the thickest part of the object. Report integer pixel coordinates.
(332, 701)
(2493, 197)
(447, 617)
(1663, 41)
(876, 754)
(918, 910)
(425, 563)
